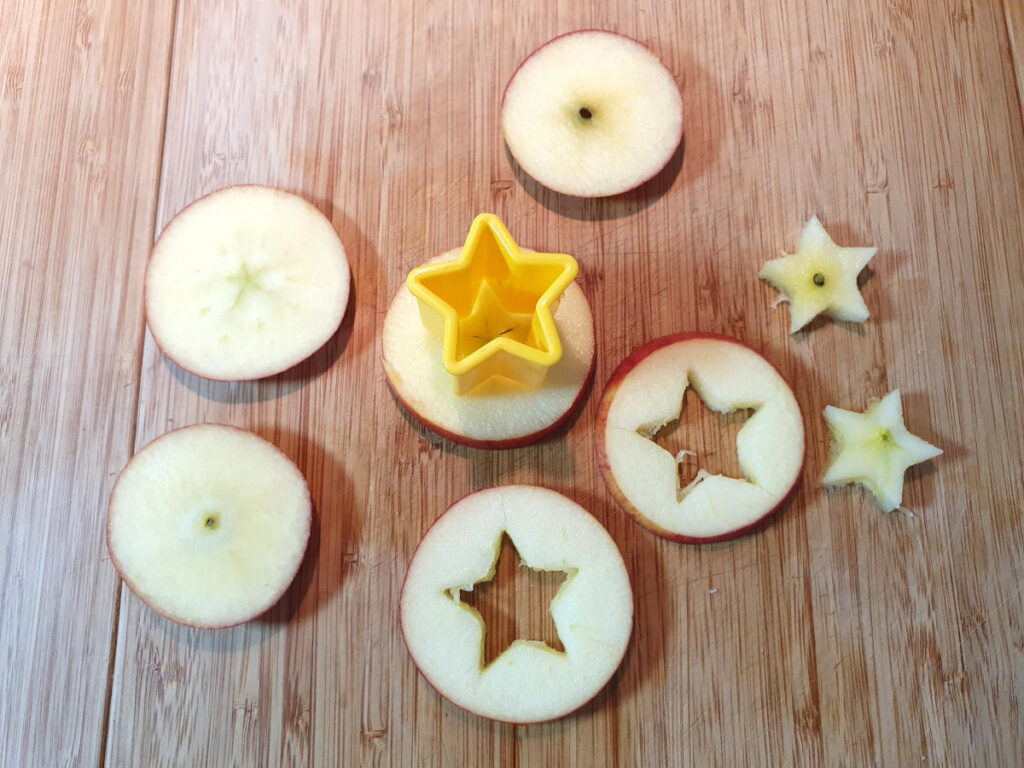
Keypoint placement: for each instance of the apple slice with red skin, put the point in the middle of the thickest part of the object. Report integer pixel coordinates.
(208, 525)
(592, 113)
(646, 392)
(593, 610)
(497, 413)
(244, 283)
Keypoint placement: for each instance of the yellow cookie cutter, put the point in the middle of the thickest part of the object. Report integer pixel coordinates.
(494, 307)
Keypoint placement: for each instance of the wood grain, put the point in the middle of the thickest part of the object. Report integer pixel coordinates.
(1015, 32)
(836, 635)
(81, 119)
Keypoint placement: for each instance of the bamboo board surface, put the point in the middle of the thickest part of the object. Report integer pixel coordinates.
(835, 635)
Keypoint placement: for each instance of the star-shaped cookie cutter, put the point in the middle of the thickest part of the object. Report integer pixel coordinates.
(494, 307)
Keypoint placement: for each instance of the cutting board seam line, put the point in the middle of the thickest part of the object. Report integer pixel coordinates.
(1015, 57)
(112, 656)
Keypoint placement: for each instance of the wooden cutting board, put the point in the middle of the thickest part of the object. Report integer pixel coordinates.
(836, 635)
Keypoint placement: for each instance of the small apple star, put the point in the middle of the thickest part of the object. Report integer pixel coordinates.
(874, 449)
(819, 278)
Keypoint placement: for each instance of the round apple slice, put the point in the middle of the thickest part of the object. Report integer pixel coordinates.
(245, 283)
(592, 114)
(497, 413)
(208, 525)
(593, 610)
(646, 392)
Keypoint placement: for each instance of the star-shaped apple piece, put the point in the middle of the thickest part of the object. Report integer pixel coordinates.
(512, 584)
(874, 449)
(493, 307)
(819, 278)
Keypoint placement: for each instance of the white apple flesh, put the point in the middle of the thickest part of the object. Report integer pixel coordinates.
(646, 392)
(875, 449)
(819, 278)
(208, 525)
(593, 610)
(245, 283)
(498, 413)
(592, 113)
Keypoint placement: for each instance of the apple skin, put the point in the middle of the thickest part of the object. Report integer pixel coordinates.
(277, 597)
(604, 465)
(441, 693)
(590, 30)
(512, 442)
(274, 370)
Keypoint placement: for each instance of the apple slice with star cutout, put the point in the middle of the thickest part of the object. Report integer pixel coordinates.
(592, 611)
(208, 525)
(874, 449)
(646, 392)
(592, 113)
(245, 283)
(497, 413)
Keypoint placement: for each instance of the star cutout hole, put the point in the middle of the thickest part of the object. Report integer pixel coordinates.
(703, 441)
(514, 603)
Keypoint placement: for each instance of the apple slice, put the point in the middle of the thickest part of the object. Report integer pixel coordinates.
(593, 610)
(592, 114)
(208, 525)
(646, 392)
(498, 413)
(245, 283)
(874, 449)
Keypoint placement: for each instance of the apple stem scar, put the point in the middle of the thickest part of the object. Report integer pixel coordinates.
(819, 279)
